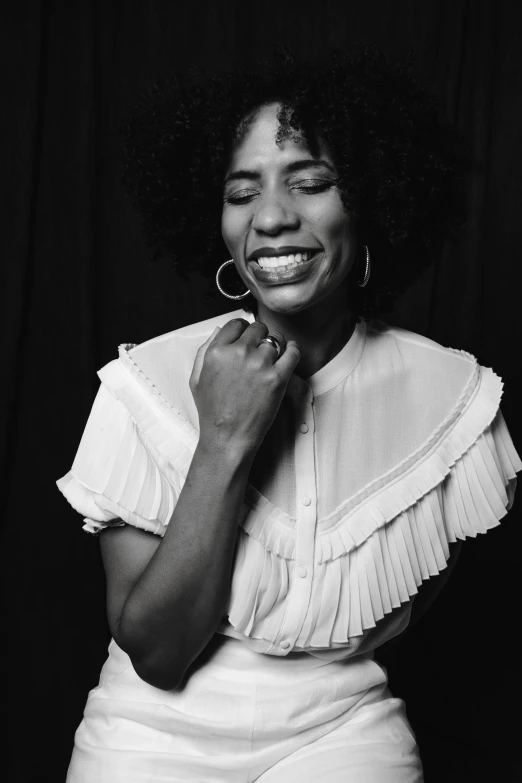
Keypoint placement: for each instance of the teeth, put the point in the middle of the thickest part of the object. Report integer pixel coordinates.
(276, 261)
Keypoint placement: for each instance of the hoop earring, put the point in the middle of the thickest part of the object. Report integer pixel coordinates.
(229, 296)
(367, 270)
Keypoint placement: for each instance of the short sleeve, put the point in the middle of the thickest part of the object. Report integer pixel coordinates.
(118, 476)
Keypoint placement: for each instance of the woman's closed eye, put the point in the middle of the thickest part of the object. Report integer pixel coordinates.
(314, 185)
(309, 186)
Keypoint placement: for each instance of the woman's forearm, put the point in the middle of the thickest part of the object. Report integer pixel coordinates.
(177, 604)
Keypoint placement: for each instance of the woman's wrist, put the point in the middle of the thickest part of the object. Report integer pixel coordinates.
(233, 452)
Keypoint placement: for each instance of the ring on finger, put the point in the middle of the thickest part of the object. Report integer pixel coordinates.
(274, 342)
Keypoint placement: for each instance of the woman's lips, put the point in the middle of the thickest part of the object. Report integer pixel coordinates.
(281, 274)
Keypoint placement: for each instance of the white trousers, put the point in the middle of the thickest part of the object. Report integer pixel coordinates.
(245, 717)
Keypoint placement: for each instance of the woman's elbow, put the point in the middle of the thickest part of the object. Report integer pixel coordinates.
(166, 677)
(170, 681)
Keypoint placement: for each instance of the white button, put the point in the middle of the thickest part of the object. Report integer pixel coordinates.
(306, 501)
(285, 644)
(303, 427)
(302, 572)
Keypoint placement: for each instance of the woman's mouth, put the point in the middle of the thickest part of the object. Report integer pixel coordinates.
(282, 269)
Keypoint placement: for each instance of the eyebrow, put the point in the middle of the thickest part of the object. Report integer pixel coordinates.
(296, 165)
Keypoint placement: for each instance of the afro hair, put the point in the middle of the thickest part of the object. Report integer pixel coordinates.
(402, 168)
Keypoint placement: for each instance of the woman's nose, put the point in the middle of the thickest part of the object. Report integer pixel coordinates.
(273, 214)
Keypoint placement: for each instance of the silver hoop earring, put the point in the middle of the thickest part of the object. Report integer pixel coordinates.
(229, 296)
(367, 270)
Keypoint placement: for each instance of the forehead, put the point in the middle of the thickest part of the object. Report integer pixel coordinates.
(258, 146)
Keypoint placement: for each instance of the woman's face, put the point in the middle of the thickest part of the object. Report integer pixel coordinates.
(278, 202)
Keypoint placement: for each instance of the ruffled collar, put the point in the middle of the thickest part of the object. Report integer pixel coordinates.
(338, 368)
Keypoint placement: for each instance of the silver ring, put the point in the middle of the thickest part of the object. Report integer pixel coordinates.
(274, 342)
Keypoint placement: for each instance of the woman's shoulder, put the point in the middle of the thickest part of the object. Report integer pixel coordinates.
(184, 338)
(379, 331)
(419, 374)
(395, 346)
(163, 364)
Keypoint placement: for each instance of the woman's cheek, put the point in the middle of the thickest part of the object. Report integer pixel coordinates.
(233, 230)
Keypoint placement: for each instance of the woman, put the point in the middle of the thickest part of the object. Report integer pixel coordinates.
(273, 486)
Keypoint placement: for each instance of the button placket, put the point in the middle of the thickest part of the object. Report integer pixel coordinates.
(306, 513)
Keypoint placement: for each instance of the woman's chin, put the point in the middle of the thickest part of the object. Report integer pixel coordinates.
(286, 300)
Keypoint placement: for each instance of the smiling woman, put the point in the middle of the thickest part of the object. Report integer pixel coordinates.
(273, 486)
(278, 203)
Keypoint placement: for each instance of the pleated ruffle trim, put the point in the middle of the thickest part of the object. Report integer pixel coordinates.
(371, 555)
(374, 552)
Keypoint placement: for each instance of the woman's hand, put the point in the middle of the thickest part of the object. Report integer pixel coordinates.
(238, 384)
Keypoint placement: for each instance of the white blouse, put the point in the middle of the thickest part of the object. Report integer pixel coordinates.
(373, 466)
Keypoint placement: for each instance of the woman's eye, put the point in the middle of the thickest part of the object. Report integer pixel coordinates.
(314, 186)
(241, 197)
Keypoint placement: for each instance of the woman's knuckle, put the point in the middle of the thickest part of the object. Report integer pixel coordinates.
(213, 353)
(240, 349)
(272, 378)
(256, 361)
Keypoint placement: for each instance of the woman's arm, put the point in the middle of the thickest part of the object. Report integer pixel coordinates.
(166, 596)
(166, 601)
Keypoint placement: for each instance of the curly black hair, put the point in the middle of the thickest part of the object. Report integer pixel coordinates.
(402, 168)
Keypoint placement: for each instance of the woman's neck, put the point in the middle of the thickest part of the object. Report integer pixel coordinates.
(320, 332)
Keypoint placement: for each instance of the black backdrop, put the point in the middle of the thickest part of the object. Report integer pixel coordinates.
(75, 285)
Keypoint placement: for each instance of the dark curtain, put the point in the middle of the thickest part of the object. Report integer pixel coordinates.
(76, 284)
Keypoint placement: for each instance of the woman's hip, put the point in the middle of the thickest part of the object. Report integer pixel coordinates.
(239, 712)
(235, 688)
